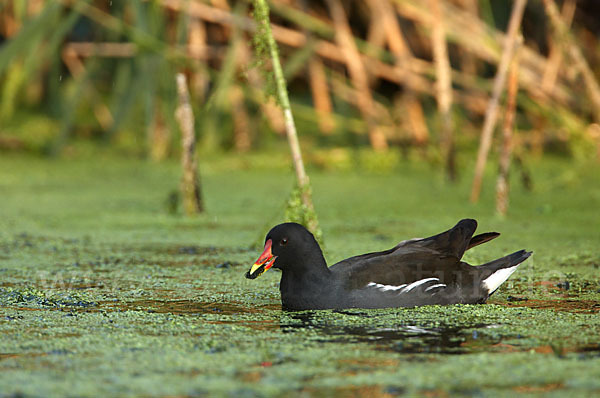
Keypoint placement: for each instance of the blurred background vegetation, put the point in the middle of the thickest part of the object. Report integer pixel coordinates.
(78, 75)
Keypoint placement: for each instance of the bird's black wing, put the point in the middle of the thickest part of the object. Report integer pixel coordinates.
(397, 267)
(452, 242)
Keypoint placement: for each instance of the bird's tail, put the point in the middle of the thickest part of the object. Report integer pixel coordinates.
(496, 272)
(481, 238)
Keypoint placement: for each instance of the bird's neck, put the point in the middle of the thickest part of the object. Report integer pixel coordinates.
(313, 267)
(305, 287)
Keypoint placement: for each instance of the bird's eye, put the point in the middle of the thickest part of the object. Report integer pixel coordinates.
(283, 242)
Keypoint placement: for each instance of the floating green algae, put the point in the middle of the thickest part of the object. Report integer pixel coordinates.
(104, 292)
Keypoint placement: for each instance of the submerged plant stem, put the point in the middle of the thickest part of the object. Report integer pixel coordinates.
(264, 34)
(190, 185)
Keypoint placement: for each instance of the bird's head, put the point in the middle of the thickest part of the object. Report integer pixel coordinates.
(286, 246)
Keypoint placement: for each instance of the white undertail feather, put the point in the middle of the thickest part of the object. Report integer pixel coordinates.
(493, 282)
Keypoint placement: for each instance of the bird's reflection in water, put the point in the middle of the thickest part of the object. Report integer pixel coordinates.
(401, 337)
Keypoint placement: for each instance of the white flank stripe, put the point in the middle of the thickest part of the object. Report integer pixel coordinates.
(385, 288)
(494, 281)
(417, 283)
(435, 286)
(405, 288)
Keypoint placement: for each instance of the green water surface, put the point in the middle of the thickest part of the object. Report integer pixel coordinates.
(105, 292)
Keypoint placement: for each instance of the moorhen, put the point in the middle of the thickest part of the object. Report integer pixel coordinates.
(413, 273)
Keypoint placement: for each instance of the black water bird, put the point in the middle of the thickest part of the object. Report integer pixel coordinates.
(413, 273)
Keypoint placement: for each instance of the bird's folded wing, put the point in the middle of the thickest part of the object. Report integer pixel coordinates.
(401, 266)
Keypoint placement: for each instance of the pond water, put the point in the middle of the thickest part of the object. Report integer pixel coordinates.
(111, 295)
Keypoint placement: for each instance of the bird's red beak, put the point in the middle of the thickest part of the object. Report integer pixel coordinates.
(264, 262)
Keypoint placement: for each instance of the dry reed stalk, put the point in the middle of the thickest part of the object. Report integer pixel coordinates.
(473, 101)
(468, 62)
(209, 13)
(105, 49)
(274, 115)
(499, 82)
(269, 108)
(536, 139)
(376, 40)
(76, 68)
(320, 94)
(142, 38)
(330, 51)
(576, 55)
(348, 93)
(411, 76)
(9, 24)
(357, 72)
(293, 38)
(159, 136)
(418, 123)
(241, 124)
(34, 7)
(197, 39)
(475, 36)
(443, 87)
(304, 112)
(104, 116)
(556, 55)
(129, 50)
(190, 183)
(593, 131)
(388, 18)
(222, 4)
(375, 34)
(416, 118)
(472, 97)
(198, 50)
(502, 185)
(71, 59)
(223, 17)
